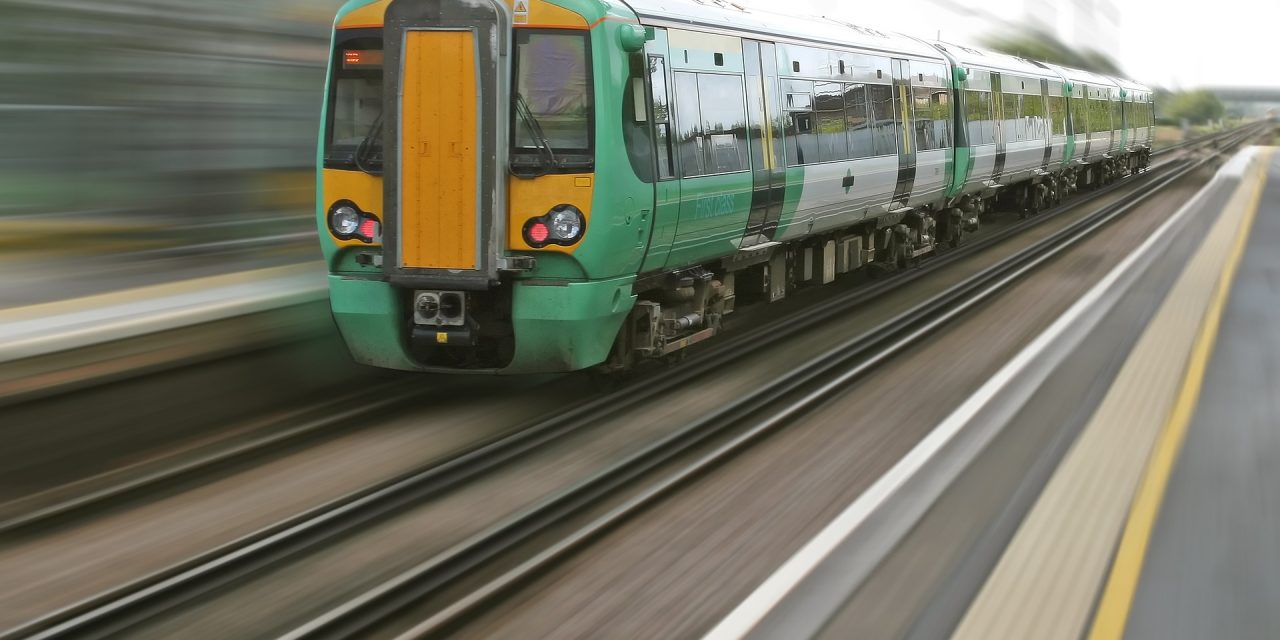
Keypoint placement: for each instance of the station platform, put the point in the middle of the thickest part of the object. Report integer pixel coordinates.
(1210, 567)
(95, 338)
(1117, 478)
(1162, 519)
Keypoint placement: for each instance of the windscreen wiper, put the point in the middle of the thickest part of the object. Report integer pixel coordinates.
(365, 150)
(535, 129)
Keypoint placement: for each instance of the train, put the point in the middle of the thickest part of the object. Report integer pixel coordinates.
(544, 186)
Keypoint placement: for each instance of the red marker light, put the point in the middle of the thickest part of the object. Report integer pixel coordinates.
(538, 232)
(368, 229)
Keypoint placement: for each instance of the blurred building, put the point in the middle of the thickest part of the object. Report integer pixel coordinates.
(173, 107)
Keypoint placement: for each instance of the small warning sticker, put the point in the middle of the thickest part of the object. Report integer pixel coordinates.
(521, 11)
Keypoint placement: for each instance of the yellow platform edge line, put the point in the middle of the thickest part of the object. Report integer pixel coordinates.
(1122, 582)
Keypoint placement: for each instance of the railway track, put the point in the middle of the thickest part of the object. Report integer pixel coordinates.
(736, 426)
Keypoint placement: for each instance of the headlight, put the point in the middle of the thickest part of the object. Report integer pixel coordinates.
(348, 222)
(344, 220)
(563, 225)
(566, 225)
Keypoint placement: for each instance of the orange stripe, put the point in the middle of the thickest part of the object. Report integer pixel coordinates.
(552, 26)
(611, 19)
(521, 26)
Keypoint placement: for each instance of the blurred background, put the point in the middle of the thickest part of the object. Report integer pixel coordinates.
(137, 124)
(188, 126)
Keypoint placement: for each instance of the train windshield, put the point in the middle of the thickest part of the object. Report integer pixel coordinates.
(355, 113)
(552, 105)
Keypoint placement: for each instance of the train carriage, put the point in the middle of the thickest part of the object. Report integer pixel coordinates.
(520, 186)
(1113, 122)
(1139, 121)
(1014, 121)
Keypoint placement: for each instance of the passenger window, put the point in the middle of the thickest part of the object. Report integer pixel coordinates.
(1080, 115)
(1015, 130)
(884, 128)
(924, 119)
(1099, 116)
(857, 123)
(802, 138)
(933, 118)
(689, 135)
(977, 105)
(661, 115)
(712, 123)
(1058, 115)
(829, 121)
(1033, 117)
(943, 116)
(724, 119)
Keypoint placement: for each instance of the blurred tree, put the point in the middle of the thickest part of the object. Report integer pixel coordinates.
(1041, 45)
(1197, 106)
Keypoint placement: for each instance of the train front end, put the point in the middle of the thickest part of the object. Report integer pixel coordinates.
(458, 178)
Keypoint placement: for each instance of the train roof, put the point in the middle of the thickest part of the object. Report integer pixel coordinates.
(1132, 85)
(1086, 77)
(970, 56)
(720, 15)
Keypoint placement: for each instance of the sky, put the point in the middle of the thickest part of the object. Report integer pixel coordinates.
(1160, 42)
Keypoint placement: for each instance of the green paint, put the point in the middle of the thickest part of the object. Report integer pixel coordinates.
(368, 314)
(567, 326)
(713, 214)
(959, 169)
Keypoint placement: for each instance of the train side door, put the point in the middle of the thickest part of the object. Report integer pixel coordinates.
(708, 91)
(666, 186)
(906, 130)
(997, 115)
(768, 165)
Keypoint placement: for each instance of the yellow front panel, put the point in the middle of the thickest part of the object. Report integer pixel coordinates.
(539, 13)
(439, 143)
(357, 186)
(533, 197)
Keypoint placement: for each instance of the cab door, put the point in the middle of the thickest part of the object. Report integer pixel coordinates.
(666, 196)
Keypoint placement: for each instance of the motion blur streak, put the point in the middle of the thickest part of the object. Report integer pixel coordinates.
(181, 115)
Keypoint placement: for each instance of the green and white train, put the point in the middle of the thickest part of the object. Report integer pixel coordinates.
(519, 186)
